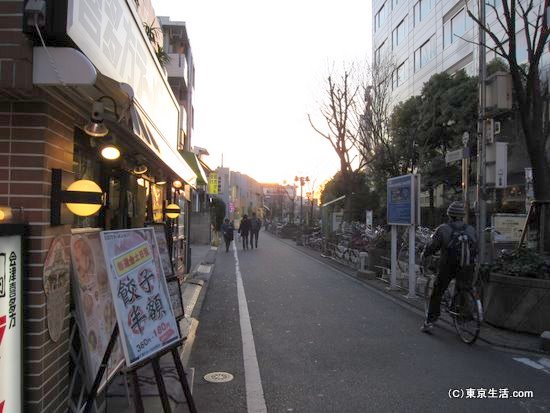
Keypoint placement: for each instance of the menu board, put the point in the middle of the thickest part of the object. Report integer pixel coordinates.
(164, 252)
(142, 302)
(157, 198)
(175, 297)
(94, 304)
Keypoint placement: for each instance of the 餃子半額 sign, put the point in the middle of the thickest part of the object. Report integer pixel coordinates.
(140, 295)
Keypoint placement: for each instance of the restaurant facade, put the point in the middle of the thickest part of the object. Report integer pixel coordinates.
(79, 81)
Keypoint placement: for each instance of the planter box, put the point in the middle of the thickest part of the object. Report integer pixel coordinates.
(517, 303)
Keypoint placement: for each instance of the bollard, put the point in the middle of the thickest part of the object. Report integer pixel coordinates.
(363, 272)
(363, 260)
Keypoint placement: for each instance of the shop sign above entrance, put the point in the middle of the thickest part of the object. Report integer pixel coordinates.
(109, 33)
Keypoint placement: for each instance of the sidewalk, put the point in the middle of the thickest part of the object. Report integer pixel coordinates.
(195, 283)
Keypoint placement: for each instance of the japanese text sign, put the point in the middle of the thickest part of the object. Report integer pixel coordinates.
(140, 294)
(402, 200)
(11, 280)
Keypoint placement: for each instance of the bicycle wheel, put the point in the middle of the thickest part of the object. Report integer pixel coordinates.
(466, 316)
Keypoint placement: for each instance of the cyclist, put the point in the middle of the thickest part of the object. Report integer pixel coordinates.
(457, 242)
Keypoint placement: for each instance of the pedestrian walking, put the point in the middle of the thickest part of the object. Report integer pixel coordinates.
(227, 231)
(255, 226)
(457, 242)
(244, 229)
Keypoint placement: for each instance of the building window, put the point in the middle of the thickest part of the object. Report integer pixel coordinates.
(421, 9)
(380, 53)
(455, 27)
(380, 17)
(399, 34)
(424, 54)
(399, 75)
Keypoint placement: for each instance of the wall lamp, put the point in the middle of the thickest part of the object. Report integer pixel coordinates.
(172, 211)
(177, 184)
(95, 127)
(140, 169)
(5, 213)
(110, 152)
(82, 198)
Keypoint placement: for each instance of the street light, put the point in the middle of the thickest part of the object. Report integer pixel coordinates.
(302, 180)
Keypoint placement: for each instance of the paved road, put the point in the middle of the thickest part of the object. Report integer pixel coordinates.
(324, 342)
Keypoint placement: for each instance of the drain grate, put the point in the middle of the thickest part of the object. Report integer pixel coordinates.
(218, 377)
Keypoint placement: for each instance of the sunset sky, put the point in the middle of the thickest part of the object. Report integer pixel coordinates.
(259, 70)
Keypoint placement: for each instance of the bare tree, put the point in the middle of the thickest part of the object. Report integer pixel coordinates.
(339, 112)
(373, 140)
(526, 18)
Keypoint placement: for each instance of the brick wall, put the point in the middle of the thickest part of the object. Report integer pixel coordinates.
(15, 48)
(34, 138)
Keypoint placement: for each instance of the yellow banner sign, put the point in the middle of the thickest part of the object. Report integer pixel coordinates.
(213, 183)
(132, 259)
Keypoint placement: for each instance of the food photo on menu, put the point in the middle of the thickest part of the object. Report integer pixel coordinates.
(93, 301)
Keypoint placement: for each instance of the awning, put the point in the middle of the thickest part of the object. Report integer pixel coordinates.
(75, 78)
(193, 162)
(151, 136)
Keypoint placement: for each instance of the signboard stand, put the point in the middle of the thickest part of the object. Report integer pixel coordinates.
(132, 372)
(403, 194)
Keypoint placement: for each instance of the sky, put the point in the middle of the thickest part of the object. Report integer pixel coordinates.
(260, 68)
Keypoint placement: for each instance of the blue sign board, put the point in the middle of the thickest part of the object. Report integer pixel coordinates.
(401, 200)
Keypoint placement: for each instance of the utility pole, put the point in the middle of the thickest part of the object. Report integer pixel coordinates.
(466, 176)
(481, 208)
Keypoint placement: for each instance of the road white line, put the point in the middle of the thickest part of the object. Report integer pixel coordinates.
(529, 363)
(254, 392)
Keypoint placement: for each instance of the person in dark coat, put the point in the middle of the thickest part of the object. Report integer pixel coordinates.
(244, 229)
(227, 231)
(255, 226)
(442, 240)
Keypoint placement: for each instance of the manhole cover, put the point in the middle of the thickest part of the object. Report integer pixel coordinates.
(218, 377)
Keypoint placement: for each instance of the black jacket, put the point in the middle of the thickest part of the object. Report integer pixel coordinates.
(244, 228)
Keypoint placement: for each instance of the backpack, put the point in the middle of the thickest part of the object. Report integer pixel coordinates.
(459, 250)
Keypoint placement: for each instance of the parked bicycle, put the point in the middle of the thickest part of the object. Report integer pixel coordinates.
(422, 237)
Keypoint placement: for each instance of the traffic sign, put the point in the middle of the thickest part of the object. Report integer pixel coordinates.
(457, 155)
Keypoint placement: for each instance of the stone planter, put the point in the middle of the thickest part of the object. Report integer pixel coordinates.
(517, 303)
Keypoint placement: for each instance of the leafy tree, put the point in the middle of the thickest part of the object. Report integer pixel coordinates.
(361, 198)
(217, 213)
